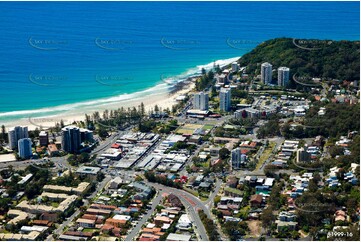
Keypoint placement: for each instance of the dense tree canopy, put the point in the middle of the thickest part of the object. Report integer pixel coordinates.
(319, 58)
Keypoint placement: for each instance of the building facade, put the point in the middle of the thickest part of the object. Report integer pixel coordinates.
(225, 99)
(283, 76)
(303, 155)
(236, 158)
(200, 101)
(71, 139)
(235, 67)
(43, 138)
(266, 73)
(16, 133)
(24, 146)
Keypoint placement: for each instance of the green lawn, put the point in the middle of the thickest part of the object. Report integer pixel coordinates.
(90, 230)
(233, 190)
(207, 127)
(195, 193)
(54, 204)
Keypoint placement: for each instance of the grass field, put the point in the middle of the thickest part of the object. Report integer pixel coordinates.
(188, 129)
(184, 131)
(208, 127)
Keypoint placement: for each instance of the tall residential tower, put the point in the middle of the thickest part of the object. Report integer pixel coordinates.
(16, 133)
(283, 76)
(225, 99)
(200, 101)
(266, 73)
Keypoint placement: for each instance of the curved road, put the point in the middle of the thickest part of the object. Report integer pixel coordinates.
(193, 204)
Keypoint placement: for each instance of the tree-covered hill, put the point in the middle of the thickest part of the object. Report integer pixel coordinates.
(312, 58)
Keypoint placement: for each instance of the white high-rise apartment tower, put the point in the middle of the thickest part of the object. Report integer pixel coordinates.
(16, 133)
(225, 99)
(266, 73)
(200, 101)
(283, 76)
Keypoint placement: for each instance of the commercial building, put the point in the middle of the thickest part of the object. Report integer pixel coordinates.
(24, 146)
(88, 171)
(283, 76)
(200, 101)
(16, 133)
(43, 138)
(225, 99)
(266, 73)
(71, 139)
(247, 113)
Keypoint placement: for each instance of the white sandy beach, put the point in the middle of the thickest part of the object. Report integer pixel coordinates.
(164, 100)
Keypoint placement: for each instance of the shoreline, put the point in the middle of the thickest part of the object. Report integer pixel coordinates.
(163, 95)
(163, 100)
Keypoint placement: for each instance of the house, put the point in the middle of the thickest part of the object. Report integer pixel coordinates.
(205, 185)
(286, 219)
(52, 217)
(232, 182)
(340, 215)
(94, 211)
(230, 203)
(160, 220)
(53, 150)
(174, 201)
(282, 224)
(184, 222)
(178, 237)
(287, 216)
(198, 180)
(118, 223)
(103, 206)
(42, 223)
(79, 234)
(86, 223)
(144, 191)
(256, 200)
(114, 184)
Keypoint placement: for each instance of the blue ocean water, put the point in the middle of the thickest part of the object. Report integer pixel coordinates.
(62, 54)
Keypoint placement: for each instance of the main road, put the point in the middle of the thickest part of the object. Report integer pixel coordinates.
(139, 225)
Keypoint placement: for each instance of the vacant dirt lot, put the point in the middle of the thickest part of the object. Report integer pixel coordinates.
(254, 227)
